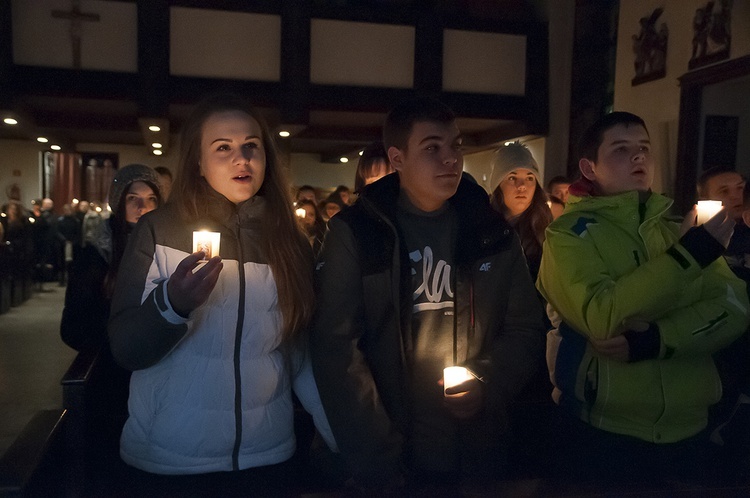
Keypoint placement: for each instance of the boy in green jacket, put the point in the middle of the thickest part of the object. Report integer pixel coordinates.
(643, 308)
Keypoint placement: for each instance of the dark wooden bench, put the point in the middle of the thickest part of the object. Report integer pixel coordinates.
(61, 452)
(32, 466)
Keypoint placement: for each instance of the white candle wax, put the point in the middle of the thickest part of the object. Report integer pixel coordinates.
(208, 242)
(453, 376)
(706, 209)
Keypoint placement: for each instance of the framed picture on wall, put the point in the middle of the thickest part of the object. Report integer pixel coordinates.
(712, 35)
(650, 49)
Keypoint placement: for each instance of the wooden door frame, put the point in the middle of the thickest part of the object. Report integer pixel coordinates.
(691, 101)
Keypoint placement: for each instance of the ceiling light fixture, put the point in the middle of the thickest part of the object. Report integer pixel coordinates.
(156, 145)
(344, 159)
(158, 152)
(42, 140)
(10, 121)
(154, 128)
(284, 133)
(55, 147)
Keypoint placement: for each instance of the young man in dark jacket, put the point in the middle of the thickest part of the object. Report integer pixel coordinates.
(421, 274)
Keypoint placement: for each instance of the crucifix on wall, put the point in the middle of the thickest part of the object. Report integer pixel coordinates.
(76, 18)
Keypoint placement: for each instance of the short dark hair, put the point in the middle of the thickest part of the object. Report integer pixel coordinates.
(702, 185)
(304, 188)
(556, 180)
(371, 155)
(588, 146)
(164, 171)
(401, 119)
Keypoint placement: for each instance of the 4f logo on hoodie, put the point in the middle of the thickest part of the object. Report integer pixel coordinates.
(434, 291)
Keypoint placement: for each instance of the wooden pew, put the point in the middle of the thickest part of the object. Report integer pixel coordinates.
(33, 465)
(66, 451)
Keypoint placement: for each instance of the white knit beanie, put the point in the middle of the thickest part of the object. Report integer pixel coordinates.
(509, 157)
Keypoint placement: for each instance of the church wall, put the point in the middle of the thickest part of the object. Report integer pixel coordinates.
(23, 158)
(658, 101)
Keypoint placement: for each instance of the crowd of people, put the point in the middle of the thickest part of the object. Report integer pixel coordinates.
(41, 244)
(598, 338)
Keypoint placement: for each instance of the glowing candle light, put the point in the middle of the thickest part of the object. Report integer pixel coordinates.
(208, 242)
(453, 376)
(706, 209)
(300, 212)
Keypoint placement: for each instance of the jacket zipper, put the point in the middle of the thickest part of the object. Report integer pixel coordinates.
(237, 345)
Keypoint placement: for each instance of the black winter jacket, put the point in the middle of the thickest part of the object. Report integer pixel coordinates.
(360, 342)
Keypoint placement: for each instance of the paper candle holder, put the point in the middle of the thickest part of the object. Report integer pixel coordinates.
(208, 242)
(453, 376)
(706, 210)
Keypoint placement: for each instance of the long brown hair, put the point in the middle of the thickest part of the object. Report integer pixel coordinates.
(283, 243)
(530, 224)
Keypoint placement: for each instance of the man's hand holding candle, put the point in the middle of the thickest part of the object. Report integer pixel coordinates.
(466, 399)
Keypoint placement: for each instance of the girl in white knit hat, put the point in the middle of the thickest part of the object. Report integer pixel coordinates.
(518, 195)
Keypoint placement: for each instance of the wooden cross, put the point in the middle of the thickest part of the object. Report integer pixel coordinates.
(76, 18)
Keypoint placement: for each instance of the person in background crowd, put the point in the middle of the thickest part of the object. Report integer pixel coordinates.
(729, 187)
(519, 197)
(134, 192)
(313, 224)
(556, 206)
(373, 165)
(90, 228)
(733, 362)
(725, 185)
(81, 209)
(418, 275)
(18, 240)
(216, 346)
(331, 206)
(558, 187)
(643, 308)
(165, 181)
(69, 236)
(15, 217)
(36, 208)
(306, 192)
(45, 240)
(343, 194)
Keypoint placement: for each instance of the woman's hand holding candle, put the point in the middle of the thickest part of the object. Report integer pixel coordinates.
(189, 288)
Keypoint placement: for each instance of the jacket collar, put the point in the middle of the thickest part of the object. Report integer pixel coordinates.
(468, 201)
(226, 213)
(620, 205)
(480, 227)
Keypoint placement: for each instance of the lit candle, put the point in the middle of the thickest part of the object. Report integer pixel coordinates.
(707, 209)
(453, 376)
(208, 242)
(300, 212)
